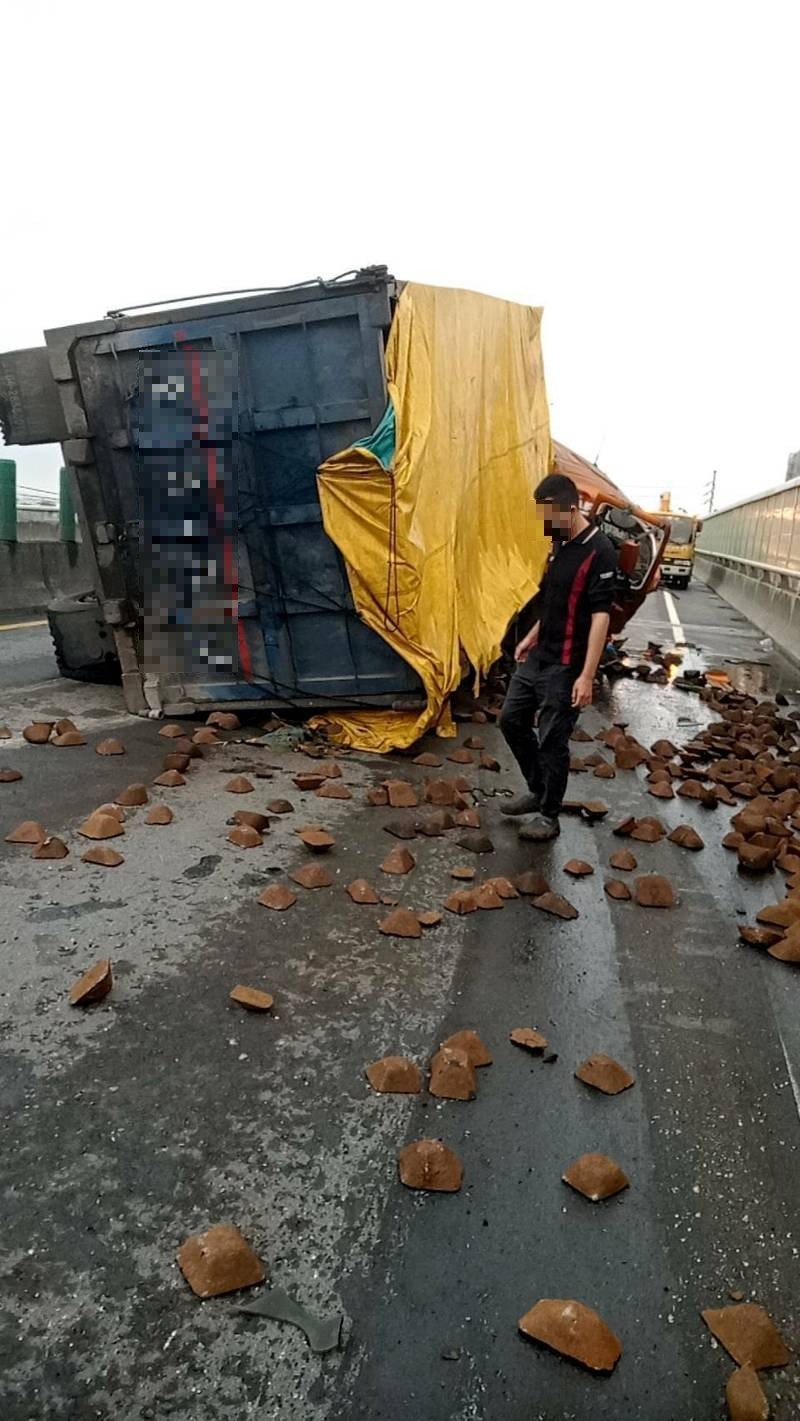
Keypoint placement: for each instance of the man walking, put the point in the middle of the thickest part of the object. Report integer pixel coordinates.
(557, 660)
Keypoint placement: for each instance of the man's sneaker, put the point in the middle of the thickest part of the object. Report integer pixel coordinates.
(539, 828)
(521, 804)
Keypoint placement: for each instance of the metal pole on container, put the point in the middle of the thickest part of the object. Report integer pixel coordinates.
(8, 501)
(66, 508)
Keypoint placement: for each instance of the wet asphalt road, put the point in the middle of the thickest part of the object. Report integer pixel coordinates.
(26, 652)
(163, 1110)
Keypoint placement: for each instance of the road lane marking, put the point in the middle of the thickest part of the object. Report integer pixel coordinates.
(20, 626)
(674, 619)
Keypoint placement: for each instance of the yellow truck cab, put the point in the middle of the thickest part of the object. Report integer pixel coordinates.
(678, 562)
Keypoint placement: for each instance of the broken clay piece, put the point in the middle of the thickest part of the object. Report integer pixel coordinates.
(93, 985)
(331, 789)
(528, 1039)
(240, 784)
(170, 779)
(278, 896)
(103, 856)
(532, 884)
(67, 738)
(401, 923)
(745, 1396)
(555, 904)
(470, 1043)
(171, 732)
(101, 826)
(574, 1330)
(395, 1075)
(280, 806)
(429, 1164)
(604, 1074)
(578, 868)
(461, 901)
(28, 832)
(311, 875)
(462, 873)
(686, 837)
(615, 888)
(38, 733)
(361, 891)
(51, 848)
(486, 896)
(430, 918)
(596, 1177)
(317, 840)
(109, 747)
(9, 777)
(257, 821)
(653, 890)
(159, 814)
(132, 796)
(244, 836)
(476, 843)
(398, 861)
(452, 1075)
(401, 794)
(252, 998)
(219, 1261)
(748, 1333)
(224, 720)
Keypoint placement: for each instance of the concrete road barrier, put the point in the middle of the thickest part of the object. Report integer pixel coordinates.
(33, 574)
(769, 596)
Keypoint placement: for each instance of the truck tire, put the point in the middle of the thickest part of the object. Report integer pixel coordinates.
(83, 645)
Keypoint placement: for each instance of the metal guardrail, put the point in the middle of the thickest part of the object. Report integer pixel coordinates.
(786, 573)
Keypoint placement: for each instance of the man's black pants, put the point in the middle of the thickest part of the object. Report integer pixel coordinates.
(542, 753)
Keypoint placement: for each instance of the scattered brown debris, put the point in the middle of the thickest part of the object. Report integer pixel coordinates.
(280, 806)
(473, 742)
(452, 1075)
(176, 762)
(528, 1039)
(755, 858)
(171, 732)
(503, 887)
(132, 796)
(187, 747)
(461, 901)
(103, 856)
(93, 985)
(573, 1330)
(395, 1075)
(426, 758)
(51, 848)
(759, 937)
(486, 896)
(400, 828)
(278, 896)
(624, 860)
(605, 1074)
(615, 888)
(648, 830)
(555, 904)
(68, 738)
(8, 777)
(319, 841)
(377, 797)
(5, 733)
(311, 875)
(578, 868)
(745, 1397)
(595, 1176)
(244, 836)
(361, 891)
(444, 793)
(468, 819)
(466, 874)
(470, 1043)
(433, 825)
(219, 1261)
(109, 747)
(488, 762)
(461, 757)
(429, 1164)
(38, 733)
(594, 809)
(331, 789)
(401, 923)
(224, 720)
(253, 818)
(475, 842)
(308, 781)
(430, 918)
(170, 779)
(780, 915)
(604, 771)
(788, 949)
(661, 789)
(115, 810)
(388, 901)
(240, 785)
(686, 837)
(398, 860)
(532, 883)
(28, 832)
(205, 736)
(251, 997)
(402, 795)
(159, 814)
(653, 890)
(748, 1333)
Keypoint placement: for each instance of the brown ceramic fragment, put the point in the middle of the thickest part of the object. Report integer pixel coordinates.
(594, 809)
(438, 822)
(9, 777)
(686, 837)
(170, 779)
(475, 842)
(401, 923)
(555, 904)
(486, 896)
(753, 858)
(377, 797)
(251, 997)
(398, 860)
(131, 796)
(503, 887)
(277, 896)
(205, 736)
(429, 1164)
(388, 901)
(780, 915)
(330, 789)
(188, 748)
(159, 814)
(461, 757)
(528, 1039)
(745, 1397)
(426, 758)
(578, 868)
(653, 890)
(473, 742)
(604, 771)
(532, 883)
(176, 762)
(615, 888)
(452, 1075)
(280, 806)
(468, 819)
(395, 1075)
(361, 891)
(661, 789)
(5, 733)
(402, 795)
(748, 1333)
(319, 841)
(648, 830)
(311, 875)
(51, 848)
(732, 840)
(623, 860)
(400, 829)
(625, 827)
(465, 874)
(38, 733)
(308, 781)
(171, 732)
(441, 792)
(224, 720)
(470, 1043)
(430, 918)
(253, 818)
(239, 785)
(788, 949)
(69, 738)
(488, 762)
(219, 1261)
(103, 856)
(596, 1177)
(574, 1330)
(244, 836)
(109, 747)
(93, 985)
(28, 832)
(605, 1074)
(461, 901)
(759, 937)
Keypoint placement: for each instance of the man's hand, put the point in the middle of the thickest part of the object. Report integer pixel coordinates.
(525, 647)
(582, 691)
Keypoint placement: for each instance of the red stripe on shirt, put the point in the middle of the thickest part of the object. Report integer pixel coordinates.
(572, 607)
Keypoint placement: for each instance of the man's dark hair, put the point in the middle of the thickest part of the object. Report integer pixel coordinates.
(557, 488)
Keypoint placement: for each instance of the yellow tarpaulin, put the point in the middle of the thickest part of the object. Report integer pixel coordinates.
(443, 548)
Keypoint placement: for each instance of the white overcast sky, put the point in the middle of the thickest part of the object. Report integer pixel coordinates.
(632, 167)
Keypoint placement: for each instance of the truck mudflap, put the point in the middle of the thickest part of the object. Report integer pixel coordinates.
(83, 643)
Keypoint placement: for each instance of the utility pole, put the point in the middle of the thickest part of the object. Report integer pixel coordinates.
(709, 491)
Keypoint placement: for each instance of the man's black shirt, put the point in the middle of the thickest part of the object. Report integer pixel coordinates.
(578, 580)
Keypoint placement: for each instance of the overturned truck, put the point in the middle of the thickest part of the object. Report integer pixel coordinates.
(317, 496)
